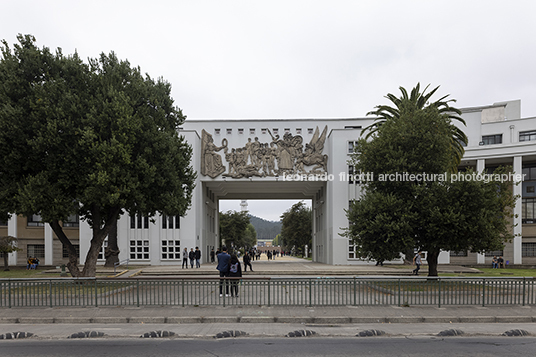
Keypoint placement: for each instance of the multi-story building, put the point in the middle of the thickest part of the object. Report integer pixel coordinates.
(295, 159)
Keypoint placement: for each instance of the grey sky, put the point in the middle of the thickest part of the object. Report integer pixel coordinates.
(299, 59)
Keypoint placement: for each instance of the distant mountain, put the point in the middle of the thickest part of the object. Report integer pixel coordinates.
(265, 229)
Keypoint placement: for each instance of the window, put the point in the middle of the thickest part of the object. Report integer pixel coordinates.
(351, 146)
(264, 130)
(528, 249)
(229, 131)
(139, 249)
(298, 131)
(65, 254)
(529, 172)
(217, 131)
(171, 249)
(102, 251)
(252, 131)
(35, 250)
(34, 221)
(527, 210)
(527, 135)
(287, 130)
(72, 221)
(492, 139)
(240, 130)
(276, 131)
(461, 253)
(310, 131)
(168, 222)
(139, 221)
(351, 251)
(530, 189)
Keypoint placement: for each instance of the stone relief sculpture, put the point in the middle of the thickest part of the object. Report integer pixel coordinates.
(281, 156)
(211, 162)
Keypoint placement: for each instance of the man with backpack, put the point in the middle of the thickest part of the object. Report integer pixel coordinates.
(223, 267)
(235, 271)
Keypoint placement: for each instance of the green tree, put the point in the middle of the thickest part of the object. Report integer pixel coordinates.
(418, 101)
(250, 237)
(96, 139)
(296, 230)
(8, 244)
(277, 240)
(233, 228)
(430, 211)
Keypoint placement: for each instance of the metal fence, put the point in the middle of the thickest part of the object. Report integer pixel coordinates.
(325, 291)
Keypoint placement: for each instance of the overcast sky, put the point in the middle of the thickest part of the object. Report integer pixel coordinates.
(299, 59)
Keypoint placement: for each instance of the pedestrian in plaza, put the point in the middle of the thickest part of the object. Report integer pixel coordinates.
(185, 258)
(417, 261)
(247, 262)
(223, 267)
(235, 271)
(212, 255)
(191, 256)
(197, 257)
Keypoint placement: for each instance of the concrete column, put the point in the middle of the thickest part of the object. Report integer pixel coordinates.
(49, 246)
(517, 212)
(85, 234)
(480, 167)
(12, 231)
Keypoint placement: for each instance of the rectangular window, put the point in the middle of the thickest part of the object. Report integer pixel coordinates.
(66, 255)
(34, 221)
(229, 131)
(494, 253)
(240, 130)
(491, 139)
(133, 222)
(351, 146)
(298, 131)
(264, 130)
(527, 210)
(527, 135)
(35, 250)
(528, 249)
(217, 131)
(529, 172)
(276, 131)
(287, 130)
(139, 249)
(310, 131)
(171, 249)
(252, 131)
(72, 221)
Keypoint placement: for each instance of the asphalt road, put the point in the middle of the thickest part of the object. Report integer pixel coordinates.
(296, 347)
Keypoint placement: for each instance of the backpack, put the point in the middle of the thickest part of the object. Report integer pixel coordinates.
(233, 268)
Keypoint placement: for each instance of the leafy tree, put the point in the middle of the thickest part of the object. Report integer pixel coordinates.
(431, 212)
(296, 230)
(97, 139)
(250, 236)
(277, 240)
(8, 244)
(417, 101)
(233, 228)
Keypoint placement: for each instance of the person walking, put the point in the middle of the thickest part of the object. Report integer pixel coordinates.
(185, 258)
(197, 257)
(191, 256)
(417, 261)
(223, 267)
(235, 271)
(247, 262)
(212, 255)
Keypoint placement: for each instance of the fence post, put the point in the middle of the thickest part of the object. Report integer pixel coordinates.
(355, 291)
(182, 293)
(310, 292)
(138, 292)
(483, 292)
(50, 292)
(269, 292)
(524, 283)
(399, 297)
(439, 297)
(96, 303)
(9, 295)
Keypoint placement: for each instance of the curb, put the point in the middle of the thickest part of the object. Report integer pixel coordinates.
(335, 320)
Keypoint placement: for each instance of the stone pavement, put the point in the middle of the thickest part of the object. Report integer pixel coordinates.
(273, 321)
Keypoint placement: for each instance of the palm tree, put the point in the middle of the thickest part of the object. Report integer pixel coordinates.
(419, 101)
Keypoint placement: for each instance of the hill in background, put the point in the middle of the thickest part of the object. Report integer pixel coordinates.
(265, 229)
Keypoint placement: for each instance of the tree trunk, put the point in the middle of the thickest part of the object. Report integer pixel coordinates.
(432, 262)
(72, 265)
(6, 262)
(112, 250)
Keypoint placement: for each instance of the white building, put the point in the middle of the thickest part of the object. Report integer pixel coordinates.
(229, 166)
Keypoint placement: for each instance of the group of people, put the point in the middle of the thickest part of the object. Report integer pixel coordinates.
(497, 262)
(194, 256)
(229, 267)
(32, 263)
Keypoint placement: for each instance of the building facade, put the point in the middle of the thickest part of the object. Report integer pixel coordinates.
(305, 159)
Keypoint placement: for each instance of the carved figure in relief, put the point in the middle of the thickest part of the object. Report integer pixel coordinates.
(211, 162)
(313, 152)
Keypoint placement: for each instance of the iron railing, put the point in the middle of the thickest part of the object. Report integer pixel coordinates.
(324, 291)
